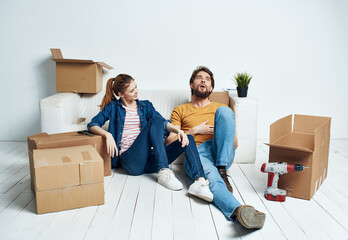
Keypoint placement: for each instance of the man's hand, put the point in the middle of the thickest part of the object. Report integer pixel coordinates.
(203, 129)
(182, 137)
(111, 145)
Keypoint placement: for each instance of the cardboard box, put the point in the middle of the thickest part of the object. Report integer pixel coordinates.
(305, 140)
(75, 75)
(67, 178)
(69, 139)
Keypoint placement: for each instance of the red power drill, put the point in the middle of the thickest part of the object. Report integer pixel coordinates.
(274, 170)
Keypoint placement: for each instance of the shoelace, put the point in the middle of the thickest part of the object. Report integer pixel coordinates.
(205, 183)
(168, 173)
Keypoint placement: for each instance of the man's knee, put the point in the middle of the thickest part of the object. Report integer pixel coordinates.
(224, 112)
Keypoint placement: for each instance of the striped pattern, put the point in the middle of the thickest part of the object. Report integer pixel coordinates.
(131, 129)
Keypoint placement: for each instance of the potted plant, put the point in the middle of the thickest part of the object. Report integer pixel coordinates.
(242, 81)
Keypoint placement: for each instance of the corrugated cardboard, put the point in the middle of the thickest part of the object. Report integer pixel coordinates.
(67, 178)
(220, 97)
(75, 75)
(305, 140)
(69, 139)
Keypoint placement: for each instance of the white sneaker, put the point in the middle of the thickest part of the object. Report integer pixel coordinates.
(167, 179)
(200, 188)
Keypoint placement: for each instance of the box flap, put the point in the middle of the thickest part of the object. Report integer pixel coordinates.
(280, 128)
(322, 136)
(72, 61)
(105, 65)
(301, 149)
(56, 53)
(308, 124)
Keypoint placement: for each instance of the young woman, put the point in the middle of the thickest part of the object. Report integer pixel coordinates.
(136, 134)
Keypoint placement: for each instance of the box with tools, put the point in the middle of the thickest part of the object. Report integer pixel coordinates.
(67, 178)
(69, 139)
(301, 139)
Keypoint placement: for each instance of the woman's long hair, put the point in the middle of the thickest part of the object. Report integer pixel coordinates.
(114, 86)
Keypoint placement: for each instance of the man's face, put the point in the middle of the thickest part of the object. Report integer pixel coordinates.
(201, 85)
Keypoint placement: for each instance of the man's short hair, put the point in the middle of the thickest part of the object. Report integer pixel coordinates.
(204, 69)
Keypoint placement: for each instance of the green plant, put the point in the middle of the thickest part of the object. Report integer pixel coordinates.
(242, 80)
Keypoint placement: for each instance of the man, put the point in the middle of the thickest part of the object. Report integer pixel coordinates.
(213, 128)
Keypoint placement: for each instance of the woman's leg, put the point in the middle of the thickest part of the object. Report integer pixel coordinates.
(192, 157)
(193, 166)
(136, 157)
(174, 150)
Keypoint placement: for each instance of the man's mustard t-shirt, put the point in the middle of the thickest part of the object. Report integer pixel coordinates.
(188, 116)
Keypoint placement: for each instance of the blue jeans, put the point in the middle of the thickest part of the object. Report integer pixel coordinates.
(220, 152)
(148, 154)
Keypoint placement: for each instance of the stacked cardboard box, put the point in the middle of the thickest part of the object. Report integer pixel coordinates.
(305, 140)
(67, 178)
(76, 75)
(69, 139)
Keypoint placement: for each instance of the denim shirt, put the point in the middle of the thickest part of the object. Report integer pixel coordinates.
(116, 114)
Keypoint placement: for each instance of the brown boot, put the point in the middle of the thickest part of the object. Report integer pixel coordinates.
(249, 217)
(223, 175)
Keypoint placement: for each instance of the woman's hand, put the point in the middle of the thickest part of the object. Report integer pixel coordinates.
(111, 145)
(182, 137)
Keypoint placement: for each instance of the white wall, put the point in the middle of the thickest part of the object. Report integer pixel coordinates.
(296, 50)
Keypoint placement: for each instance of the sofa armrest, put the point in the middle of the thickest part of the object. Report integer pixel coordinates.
(60, 112)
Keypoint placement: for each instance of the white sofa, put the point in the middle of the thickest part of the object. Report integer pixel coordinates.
(64, 112)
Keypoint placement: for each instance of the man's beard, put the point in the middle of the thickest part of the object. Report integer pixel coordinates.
(200, 94)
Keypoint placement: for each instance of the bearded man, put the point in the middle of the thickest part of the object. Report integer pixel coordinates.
(213, 127)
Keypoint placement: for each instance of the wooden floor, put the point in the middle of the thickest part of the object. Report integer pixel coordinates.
(139, 208)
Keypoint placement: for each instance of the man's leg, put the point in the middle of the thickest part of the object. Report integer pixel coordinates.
(223, 153)
(223, 139)
(223, 199)
(223, 142)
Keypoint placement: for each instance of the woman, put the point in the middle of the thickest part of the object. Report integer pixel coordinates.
(139, 132)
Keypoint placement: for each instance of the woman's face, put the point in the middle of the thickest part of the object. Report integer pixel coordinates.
(131, 92)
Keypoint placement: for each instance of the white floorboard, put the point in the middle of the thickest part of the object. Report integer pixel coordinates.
(136, 207)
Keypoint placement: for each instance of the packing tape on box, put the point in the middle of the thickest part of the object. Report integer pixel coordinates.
(86, 156)
(66, 159)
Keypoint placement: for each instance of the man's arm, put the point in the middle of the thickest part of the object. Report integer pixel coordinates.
(202, 128)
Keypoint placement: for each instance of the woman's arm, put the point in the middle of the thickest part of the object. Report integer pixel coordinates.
(95, 127)
(110, 141)
(180, 134)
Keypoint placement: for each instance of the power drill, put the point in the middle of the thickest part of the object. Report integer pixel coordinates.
(274, 170)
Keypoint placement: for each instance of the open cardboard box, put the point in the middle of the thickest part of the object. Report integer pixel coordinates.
(69, 139)
(76, 75)
(305, 140)
(67, 178)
